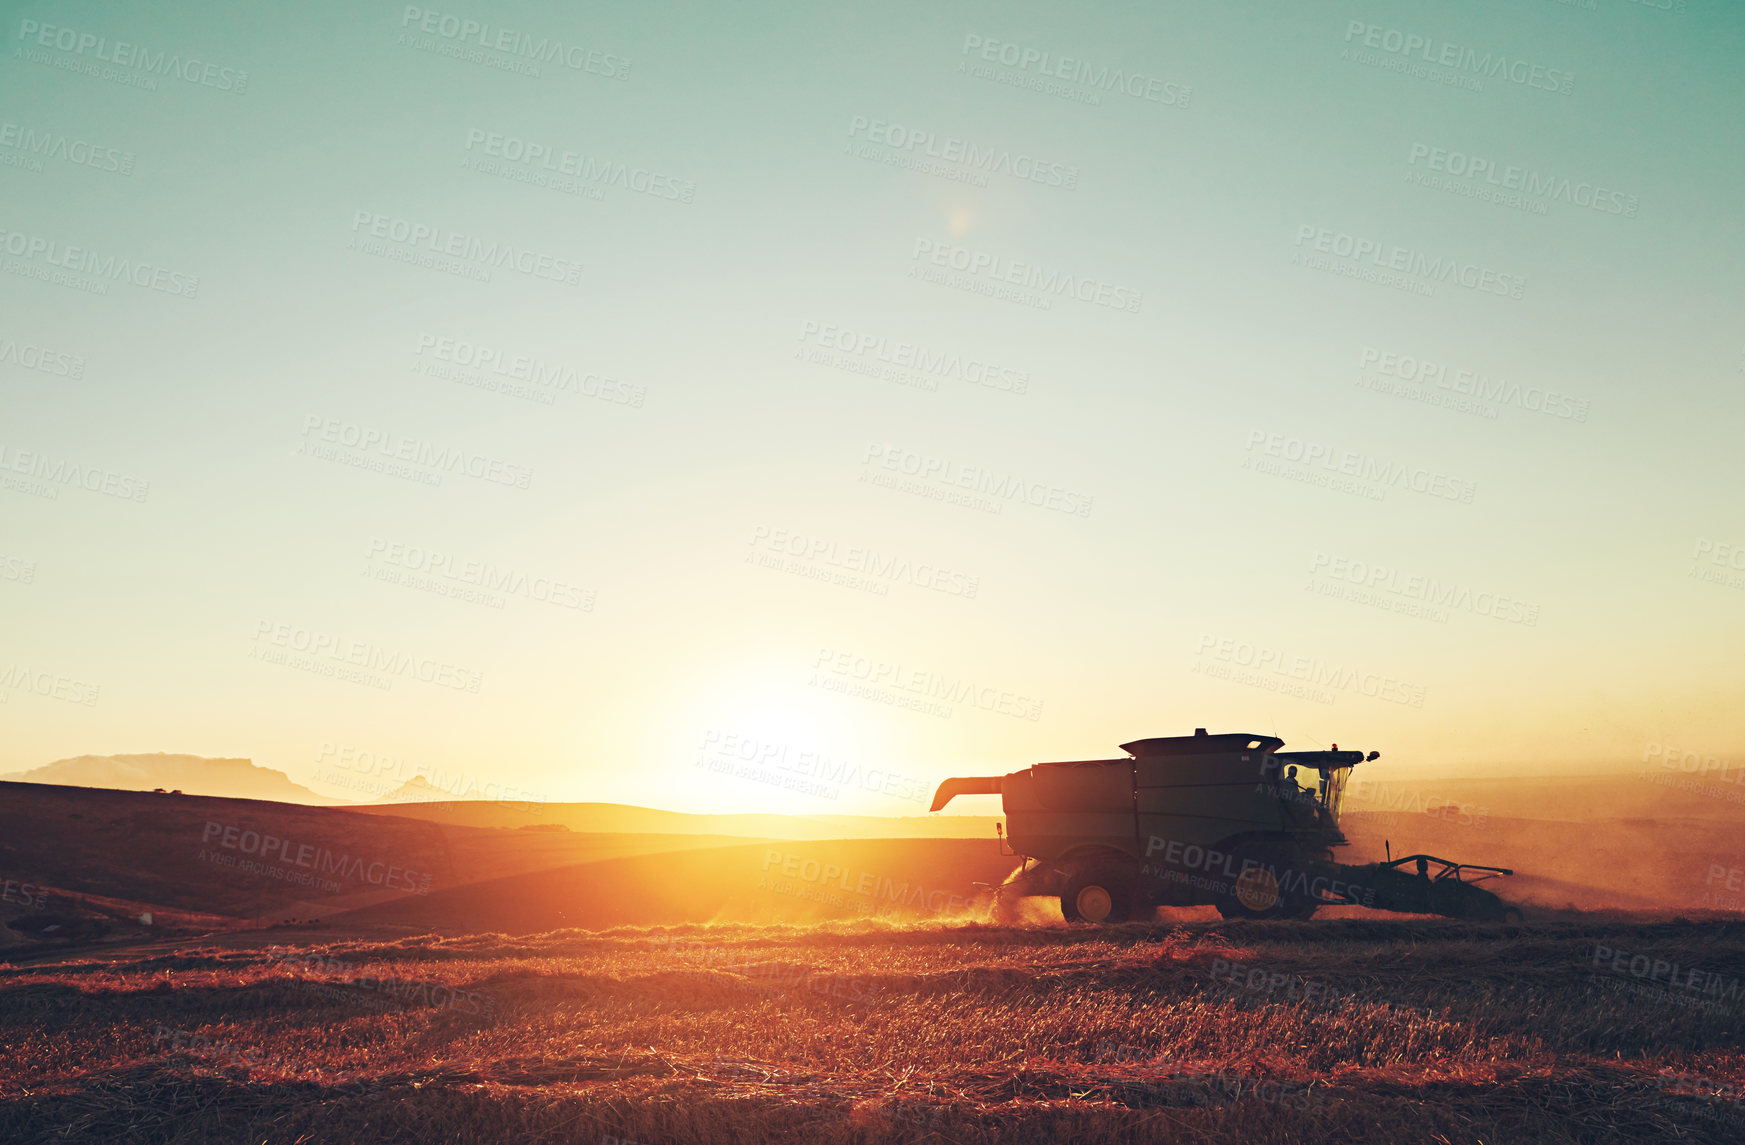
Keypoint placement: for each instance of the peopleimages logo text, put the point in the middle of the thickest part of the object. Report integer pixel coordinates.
(1312, 670)
(480, 574)
(55, 145)
(314, 857)
(555, 377)
(451, 459)
(125, 55)
(982, 480)
(1363, 466)
(1474, 383)
(1430, 50)
(1426, 589)
(1028, 275)
(1511, 177)
(492, 253)
(321, 646)
(914, 356)
(1405, 260)
(951, 149)
(13, 678)
(923, 682)
(84, 260)
(1074, 70)
(574, 164)
(861, 559)
(62, 472)
(541, 49)
(31, 356)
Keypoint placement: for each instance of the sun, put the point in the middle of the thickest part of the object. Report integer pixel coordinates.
(777, 732)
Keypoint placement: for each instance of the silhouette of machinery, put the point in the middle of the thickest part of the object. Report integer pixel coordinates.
(1224, 820)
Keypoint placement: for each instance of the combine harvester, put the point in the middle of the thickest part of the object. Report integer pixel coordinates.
(1207, 819)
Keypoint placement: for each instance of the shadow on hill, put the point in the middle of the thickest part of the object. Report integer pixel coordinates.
(773, 882)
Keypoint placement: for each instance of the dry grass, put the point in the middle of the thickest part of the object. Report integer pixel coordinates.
(1343, 1030)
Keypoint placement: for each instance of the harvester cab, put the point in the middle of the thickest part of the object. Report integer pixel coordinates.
(1226, 820)
(1314, 801)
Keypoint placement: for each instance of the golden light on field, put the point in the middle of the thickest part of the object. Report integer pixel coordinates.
(510, 513)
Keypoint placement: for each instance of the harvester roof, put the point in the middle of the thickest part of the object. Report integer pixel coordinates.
(1187, 754)
(1202, 744)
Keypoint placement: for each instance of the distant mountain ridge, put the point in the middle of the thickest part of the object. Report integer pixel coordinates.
(421, 790)
(193, 774)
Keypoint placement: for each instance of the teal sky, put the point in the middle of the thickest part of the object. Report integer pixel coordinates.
(1205, 552)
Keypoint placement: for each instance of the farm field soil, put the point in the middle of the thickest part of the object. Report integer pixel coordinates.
(1354, 1029)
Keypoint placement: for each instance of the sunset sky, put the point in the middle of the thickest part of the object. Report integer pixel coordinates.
(1177, 275)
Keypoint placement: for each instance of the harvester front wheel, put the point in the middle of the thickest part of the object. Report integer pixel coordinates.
(1269, 887)
(1101, 893)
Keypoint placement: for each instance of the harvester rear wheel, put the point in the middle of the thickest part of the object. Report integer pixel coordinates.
(1099, 893)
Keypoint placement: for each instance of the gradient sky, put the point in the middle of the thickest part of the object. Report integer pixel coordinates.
(1200, 553)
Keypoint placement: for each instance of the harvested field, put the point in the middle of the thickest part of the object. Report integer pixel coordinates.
(1335, 1030)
